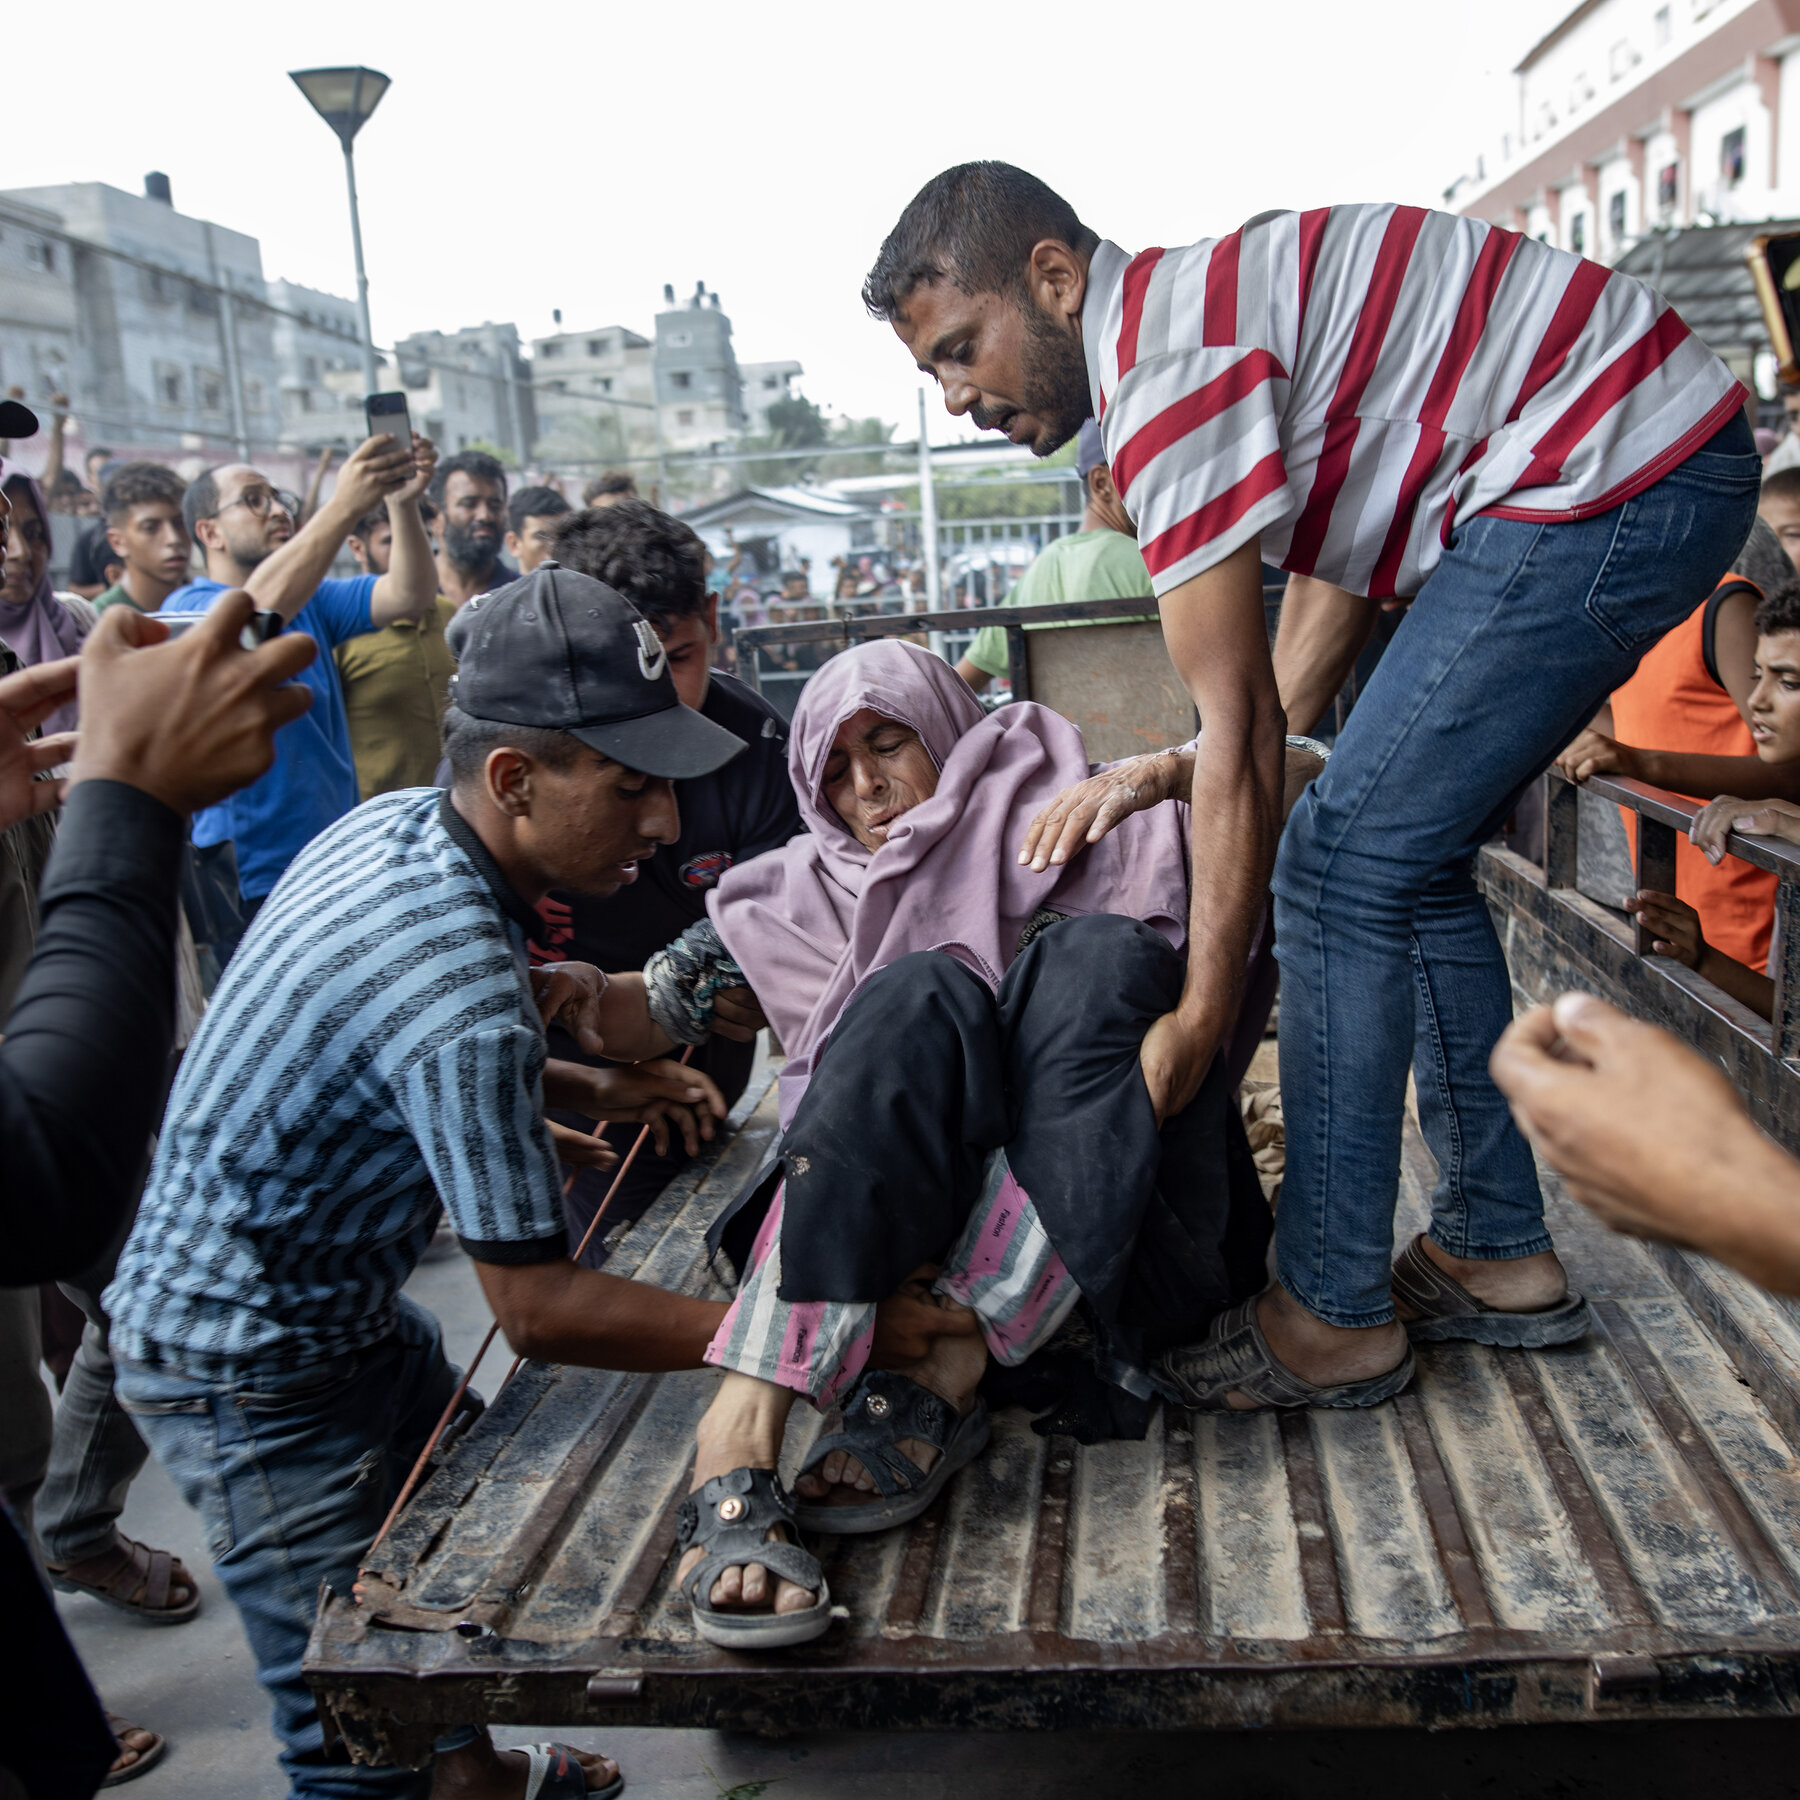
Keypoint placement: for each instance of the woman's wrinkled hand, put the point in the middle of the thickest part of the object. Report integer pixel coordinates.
(1084, 813)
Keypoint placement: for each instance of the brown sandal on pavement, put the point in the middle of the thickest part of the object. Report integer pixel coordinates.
(1445, 1309)
(129, 1568)
(1235, 1357)
(146, 1759)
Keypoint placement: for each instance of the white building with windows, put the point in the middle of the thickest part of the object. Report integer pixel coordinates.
(594, 391)
(1632, 116)
(317, 337)
(170, 344)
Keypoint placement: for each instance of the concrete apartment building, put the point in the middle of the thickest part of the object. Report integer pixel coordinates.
(318, 348)
(764, 384)
(1636, 116)
(470, 387)
(594, 393)
(169, 344)
(698, 386)
(608, 392)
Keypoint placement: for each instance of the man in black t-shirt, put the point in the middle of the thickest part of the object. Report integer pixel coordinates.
(739, 811)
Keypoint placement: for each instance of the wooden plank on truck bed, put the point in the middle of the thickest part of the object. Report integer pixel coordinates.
(1604, 1531)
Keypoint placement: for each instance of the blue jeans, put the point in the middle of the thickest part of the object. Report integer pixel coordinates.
(292, 1475)
(1388, 955)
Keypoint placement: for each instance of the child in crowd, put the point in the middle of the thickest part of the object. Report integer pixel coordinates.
(1774, 710)
(1690, 698)
(1779, 508)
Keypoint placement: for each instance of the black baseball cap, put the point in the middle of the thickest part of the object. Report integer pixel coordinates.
(563, 652)
(17, 421)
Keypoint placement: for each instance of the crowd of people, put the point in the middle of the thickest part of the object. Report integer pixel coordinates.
(378, 907)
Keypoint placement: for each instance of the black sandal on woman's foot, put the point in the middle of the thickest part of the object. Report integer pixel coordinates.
(730, 1518)
(1444, 1309)
(880, 1410)
(1235, 1357)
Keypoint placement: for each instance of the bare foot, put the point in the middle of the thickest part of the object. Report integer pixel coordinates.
(742, 1430)
(1523, 1284)
(479, 1771)
(952, 1370)
(1326, 1355)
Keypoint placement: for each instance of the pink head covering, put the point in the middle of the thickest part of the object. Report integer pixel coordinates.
(810, 921)
(40, 628)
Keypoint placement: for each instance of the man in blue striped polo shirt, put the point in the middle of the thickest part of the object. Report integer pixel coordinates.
(374, 1049)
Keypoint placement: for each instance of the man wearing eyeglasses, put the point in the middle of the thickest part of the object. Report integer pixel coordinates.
(245, 527)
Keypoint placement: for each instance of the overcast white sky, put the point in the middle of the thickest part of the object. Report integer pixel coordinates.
(531, 157)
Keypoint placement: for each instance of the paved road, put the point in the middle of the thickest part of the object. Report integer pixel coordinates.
(196, 1684)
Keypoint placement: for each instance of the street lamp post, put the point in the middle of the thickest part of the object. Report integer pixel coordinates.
(344, 99)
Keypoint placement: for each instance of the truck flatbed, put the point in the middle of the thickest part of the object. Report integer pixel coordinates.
(1610, 1530)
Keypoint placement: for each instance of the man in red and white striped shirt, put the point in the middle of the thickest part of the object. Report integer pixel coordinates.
(1388, 403)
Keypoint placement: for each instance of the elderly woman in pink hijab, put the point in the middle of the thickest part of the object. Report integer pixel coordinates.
(964, 1118)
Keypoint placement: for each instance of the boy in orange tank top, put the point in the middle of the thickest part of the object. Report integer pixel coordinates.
(1773, 709)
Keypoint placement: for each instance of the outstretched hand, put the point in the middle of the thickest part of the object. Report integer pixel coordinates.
(26, 700)
(1650, 1136)
(189, 720)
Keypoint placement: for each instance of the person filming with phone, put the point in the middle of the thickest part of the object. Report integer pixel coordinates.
(246, 528)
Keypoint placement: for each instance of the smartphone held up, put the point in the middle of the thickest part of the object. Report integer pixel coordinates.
(389, 413)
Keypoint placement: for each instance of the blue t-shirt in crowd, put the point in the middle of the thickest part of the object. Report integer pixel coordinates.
(313, 781)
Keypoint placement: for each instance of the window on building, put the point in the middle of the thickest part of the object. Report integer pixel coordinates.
(209, 390)
(1668, 185)
(550, 350)
(681, 379)
(169, 385)
(1615, 218)
(604, 384)
(1578, 234)
(1621, 59)
(1731, 157)
(1659, 26)
(202, 300)
(771, 381)
(309, 368)
(157, 287)
(685, 416)
(599, 346)
(40, 253)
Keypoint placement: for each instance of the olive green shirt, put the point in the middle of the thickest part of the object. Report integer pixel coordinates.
(396, 685)
(1085, 565)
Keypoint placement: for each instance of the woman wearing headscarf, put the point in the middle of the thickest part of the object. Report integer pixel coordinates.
(963, 1115)
(34, 624)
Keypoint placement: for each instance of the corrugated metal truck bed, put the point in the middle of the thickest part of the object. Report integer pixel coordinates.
(1610, 1530)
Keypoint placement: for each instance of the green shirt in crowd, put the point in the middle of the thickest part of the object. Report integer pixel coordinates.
(1086, 565)
(396, 685)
